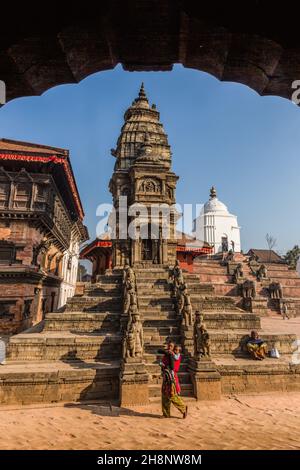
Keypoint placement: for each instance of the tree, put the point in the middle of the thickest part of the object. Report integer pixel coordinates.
(271, 241)
(292, 256)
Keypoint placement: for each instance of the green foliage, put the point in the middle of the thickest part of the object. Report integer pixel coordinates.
(292, 257)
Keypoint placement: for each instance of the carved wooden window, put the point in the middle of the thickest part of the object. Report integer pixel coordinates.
(22, 196)
(41, 196)
(4, 194)
(5, 309)
(7, 252)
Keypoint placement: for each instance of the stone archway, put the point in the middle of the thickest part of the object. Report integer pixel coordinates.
(255, 43)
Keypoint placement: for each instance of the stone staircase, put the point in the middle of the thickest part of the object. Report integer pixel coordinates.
(215, 272)
(160, 323)
(75, 354)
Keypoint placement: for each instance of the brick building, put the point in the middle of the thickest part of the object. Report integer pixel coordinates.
(40, 232)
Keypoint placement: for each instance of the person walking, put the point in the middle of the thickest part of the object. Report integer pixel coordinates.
(169, 392)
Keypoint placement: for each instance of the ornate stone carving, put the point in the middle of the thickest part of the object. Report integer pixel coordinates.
(150, 185)
(187, 311)
(39, 249)
(253, 265)
(133, 343)
(248, 289)
(177, 275)
(238, 274)
(262, 272)
(201, 338)
(275, 290)
(182, 297)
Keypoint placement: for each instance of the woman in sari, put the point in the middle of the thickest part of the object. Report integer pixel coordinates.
(177, 362)
(169, 391)
(256, 347)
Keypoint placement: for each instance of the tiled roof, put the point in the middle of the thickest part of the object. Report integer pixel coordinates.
(19, 146)
(265, 256)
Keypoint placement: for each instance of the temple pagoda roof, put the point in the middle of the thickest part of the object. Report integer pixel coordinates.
(38, 158)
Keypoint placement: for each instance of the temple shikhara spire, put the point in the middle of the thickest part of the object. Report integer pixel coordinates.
(142, 127)
(143, 173)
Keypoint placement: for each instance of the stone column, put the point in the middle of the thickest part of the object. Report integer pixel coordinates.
(187, 339)
(135, 251)
(164, 258)
(205, 378)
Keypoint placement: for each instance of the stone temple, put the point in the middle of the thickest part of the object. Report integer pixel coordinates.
(217, 227)
(103, 344)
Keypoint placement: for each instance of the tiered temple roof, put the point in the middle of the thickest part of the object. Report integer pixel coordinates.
(42, 158)
(141, 125)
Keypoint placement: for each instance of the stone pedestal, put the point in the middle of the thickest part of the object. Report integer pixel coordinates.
(259, 306)
(187, 339)
(134, 383)
(205, 378)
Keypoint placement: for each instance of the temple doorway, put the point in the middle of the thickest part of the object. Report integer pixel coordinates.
(147, 251)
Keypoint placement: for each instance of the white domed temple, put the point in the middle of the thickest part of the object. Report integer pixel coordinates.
(216, 226)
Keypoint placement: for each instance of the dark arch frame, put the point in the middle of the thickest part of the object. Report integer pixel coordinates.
(254, 43)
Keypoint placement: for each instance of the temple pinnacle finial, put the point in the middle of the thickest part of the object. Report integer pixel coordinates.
(213, 192)
(142, 93)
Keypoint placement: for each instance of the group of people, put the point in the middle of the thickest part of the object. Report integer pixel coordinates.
(170, 365)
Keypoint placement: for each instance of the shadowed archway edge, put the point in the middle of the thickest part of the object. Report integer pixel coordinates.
(254, 43)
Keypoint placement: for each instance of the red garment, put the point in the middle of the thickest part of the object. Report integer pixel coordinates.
(176, 369)
(165, 360)
(168, 387)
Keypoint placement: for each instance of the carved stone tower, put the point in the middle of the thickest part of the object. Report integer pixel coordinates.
(143, 175)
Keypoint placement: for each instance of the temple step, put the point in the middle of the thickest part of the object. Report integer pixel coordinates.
(64, 346)
(155, 390)
(82, 321)
(56, 381)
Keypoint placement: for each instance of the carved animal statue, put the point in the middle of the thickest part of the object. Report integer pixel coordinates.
(253, 265)
(275, 290)
(238, 273)
(248, 289)
(262, 272)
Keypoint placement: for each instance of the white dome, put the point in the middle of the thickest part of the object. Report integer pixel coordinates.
(214, 205)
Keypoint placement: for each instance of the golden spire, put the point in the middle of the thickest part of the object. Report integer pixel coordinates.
(142, 93)
(213, 192)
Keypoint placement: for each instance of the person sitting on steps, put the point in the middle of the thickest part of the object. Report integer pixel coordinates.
(256, 347)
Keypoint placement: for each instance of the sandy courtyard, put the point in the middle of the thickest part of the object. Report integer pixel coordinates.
(270, 421)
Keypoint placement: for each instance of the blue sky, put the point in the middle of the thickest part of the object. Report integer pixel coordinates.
(221, 134)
